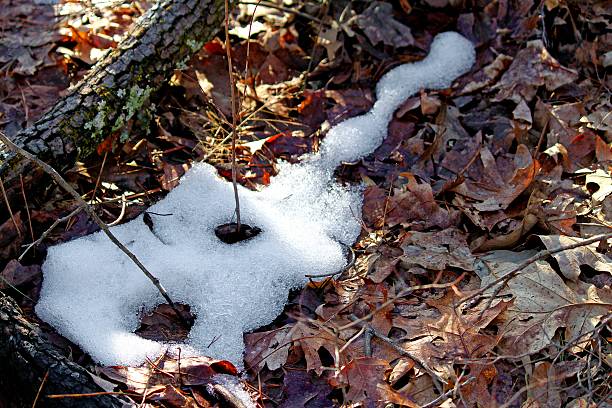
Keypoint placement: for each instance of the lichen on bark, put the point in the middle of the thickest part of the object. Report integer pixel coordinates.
(120, 85)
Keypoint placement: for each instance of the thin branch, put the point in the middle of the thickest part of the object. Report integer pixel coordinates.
(122, 213)
(402, 293)
(48, 231)
(284, 10)
(64, 184)
(410, 355)
(234, 116)
(473, 298)
(8, 206)
(91, 394)
(27, 207)
(448, 393)
(42, 384)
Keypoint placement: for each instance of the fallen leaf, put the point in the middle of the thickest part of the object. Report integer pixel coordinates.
(571, 260)
(311, 339)
(542, 303)
(15, 274)
(378, 24)
(169, 371)
(494, 186)
(269, 349)
(437, 250)
(414, 205)
(532, 67)
(364, 378)
(301, 389)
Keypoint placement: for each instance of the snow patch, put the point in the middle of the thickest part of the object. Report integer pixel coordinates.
(93, 294)
(236, 387)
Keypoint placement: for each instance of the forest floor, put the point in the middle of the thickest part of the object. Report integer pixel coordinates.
(470, 184)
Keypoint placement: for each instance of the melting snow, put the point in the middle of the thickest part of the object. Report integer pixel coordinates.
(93, 294)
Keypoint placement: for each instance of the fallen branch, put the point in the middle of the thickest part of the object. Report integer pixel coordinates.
(117, 89)
(89, 210)
(31, 365)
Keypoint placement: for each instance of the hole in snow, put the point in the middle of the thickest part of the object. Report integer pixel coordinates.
(229, 234)
(162, 323)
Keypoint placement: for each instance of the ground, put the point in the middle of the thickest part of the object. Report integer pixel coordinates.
(471, 183)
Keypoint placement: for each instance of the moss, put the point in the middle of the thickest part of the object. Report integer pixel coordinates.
(194, 45)
(136, 99)
(106, 118)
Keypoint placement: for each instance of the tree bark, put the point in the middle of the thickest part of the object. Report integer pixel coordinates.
(117, 87)
(25, 359)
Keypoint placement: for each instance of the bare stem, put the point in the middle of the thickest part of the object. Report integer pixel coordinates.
(48, 231)
(234, 116)
(89, 210)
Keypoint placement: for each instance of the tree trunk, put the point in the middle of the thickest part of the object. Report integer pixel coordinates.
(117, 87)
(25, 359)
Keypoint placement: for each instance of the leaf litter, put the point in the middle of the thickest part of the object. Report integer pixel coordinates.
(541, 334)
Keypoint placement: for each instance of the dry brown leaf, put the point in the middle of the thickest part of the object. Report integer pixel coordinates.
(532, 67)
(269, 348)
(508, 240)
(489, 74)
(542, 303)
(193, 371)
(495, 187)
(571, 260)
(414, 205)
(15, 274)
(365, 379)
(311, 339)
(378, 24)
(544, 386)
(437, 250)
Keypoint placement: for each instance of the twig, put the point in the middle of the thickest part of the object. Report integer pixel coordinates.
(402, 293)
(234, 118)
(122, 213)
(93, 195)
(15, 288)
(367, 340)
(537, 385)
(48, 231)
(63, 183)
(27, 207)
(537, 257)
(227, 397)
(91, 394)
(248, 50)
(8, 206)
(573, 342)
(42, 384)
(352, 339)
(448, 393)
(408, 354)
(284, 9)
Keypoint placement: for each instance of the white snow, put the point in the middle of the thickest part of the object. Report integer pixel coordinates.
(93, 294)
(236, 387)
